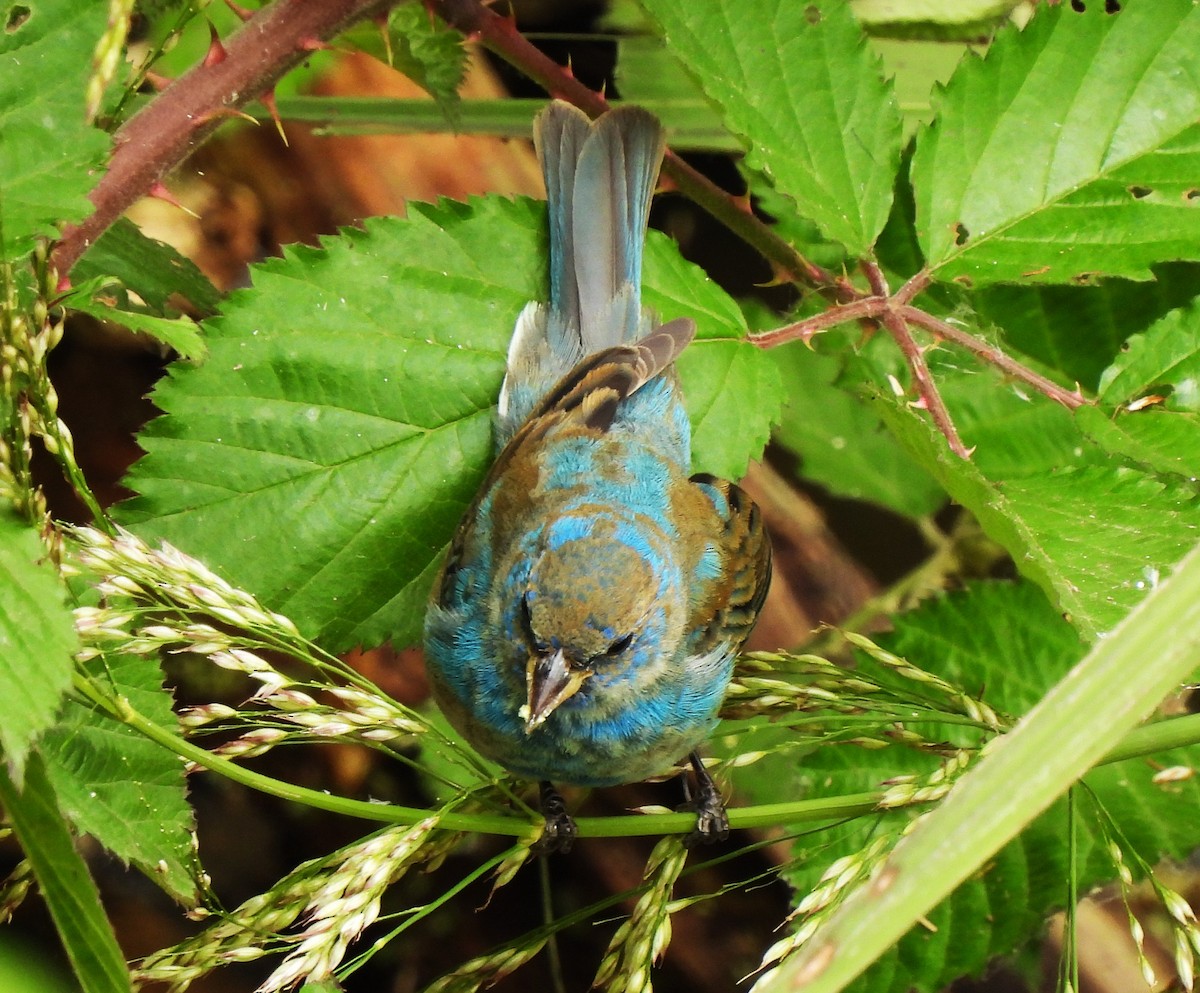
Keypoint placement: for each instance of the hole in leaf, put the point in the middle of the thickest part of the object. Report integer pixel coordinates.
(18, 14)
(1078, 6)
(812, 14)
(1139, 192)
(961, 234)
(1112, 6)
(1193, 194)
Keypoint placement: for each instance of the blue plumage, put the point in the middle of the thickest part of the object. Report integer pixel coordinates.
(585, 622)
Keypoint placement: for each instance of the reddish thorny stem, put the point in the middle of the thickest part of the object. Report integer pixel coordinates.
(279, 36)
(174, 123)
(895, 313)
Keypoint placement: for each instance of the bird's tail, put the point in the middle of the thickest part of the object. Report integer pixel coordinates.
(599, 181)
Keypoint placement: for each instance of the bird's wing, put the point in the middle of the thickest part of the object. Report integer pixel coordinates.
(728, 603)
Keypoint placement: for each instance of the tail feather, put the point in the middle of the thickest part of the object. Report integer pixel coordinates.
(599, 182)
(559, 135)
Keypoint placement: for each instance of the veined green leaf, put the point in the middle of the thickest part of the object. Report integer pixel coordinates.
(798, 85)
(37, 640)
(121, 788)
(1151, 398)
(151, 269)
(1166, 360)
(177, 333)
(47, 150)
(1094, 534)
(1071, 150)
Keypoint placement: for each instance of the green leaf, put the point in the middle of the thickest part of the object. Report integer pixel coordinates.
(1079, 330)
(424, 48)
(428, 51)
(65, 884)
(151, 269)
(37, 635)
(1166, 360)
(178, 333)
(1094, 535)
(1158, 441)
(1007, 638)
(732, 390)
(324, 453)
(1071, 150)
(48, 152)
(1065, 734)
(799, 87)
(123, 789)
(841, 441)
(1152, 399)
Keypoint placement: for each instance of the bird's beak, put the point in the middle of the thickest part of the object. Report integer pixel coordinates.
(550, 680)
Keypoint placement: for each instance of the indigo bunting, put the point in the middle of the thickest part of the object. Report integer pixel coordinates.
(585, 622)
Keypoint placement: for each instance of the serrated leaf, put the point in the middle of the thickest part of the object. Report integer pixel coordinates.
(64, 882)
(1071, 149)
(842, 443)
(1166, 359)
(428, 51)
(1079, 330)
(178, 333)
(47, 150)
(1007, 638)
(1158, 441)
(324, 453)
(424, 48)
(798, 85)
(37, 641)
(121, 788)
(732, 391)
(151, 269)
(1096, 536)
(1151, 413)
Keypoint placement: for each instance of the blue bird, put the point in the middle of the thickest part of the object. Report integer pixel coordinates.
(584, 625)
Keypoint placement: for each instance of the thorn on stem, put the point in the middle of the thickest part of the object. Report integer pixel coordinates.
(160, 192)
(313, 44)
(157, 81)
(216, 53)
(242, 13)
(268, 100)
(217, 112)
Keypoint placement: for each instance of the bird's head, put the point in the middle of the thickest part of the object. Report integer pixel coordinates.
(595, 610)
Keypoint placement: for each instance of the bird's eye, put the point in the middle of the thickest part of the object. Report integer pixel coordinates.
(620, 645)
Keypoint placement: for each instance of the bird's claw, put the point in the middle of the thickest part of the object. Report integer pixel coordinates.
(558, 834)
(712, 823)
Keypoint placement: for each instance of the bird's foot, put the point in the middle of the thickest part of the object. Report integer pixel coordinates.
(712, 823)
(559, 833)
